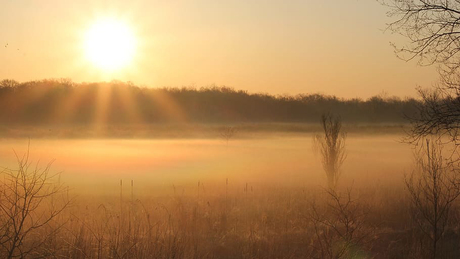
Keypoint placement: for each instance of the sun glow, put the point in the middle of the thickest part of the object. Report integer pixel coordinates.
(110, 45)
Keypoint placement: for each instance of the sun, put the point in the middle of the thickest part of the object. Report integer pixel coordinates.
(110, 45)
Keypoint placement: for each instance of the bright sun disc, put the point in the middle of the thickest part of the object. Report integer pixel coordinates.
(110, 45)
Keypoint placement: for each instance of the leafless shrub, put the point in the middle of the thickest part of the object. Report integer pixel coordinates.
(227, 133)
(332, 148)
(339, 227)
(432, 188)
(30, 201)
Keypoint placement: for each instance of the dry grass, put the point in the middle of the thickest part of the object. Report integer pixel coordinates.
(253, 222)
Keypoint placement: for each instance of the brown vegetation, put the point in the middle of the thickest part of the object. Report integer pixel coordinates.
(433, 188)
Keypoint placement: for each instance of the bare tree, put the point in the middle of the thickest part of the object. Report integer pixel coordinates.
(227, 133)
(332, 148)
(437, 115)
(8, 83)
(30, 200)
(432, 28)
(433, 188)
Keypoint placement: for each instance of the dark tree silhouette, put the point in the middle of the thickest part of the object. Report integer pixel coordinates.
(432, 28)
(62, 102)
(438, 115)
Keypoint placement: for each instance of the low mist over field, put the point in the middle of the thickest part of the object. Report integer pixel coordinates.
(161, 163)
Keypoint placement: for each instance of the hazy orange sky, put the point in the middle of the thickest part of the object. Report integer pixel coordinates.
(299, 46)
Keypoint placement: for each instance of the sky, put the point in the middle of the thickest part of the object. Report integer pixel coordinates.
(334, 47)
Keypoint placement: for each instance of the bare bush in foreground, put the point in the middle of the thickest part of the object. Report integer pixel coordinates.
(432, 188)
(31, 200)
(339, 227)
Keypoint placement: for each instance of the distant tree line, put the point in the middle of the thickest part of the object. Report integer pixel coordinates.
(65, 102)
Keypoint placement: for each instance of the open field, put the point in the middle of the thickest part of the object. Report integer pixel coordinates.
(259, 197)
